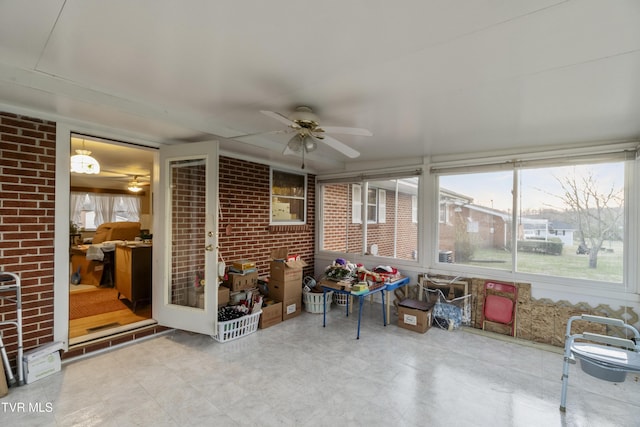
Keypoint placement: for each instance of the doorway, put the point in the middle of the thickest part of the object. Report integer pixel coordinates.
(110, 239)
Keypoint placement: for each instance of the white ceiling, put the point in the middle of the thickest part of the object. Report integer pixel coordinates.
(427, 77)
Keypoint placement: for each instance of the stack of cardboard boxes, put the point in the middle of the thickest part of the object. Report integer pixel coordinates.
(242, 275)
(285, 281)
(284, 285)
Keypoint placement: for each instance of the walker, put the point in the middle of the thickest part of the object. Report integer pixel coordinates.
(10, 282)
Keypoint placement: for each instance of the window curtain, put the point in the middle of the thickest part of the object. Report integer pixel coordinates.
(107, 207)
(127, 208)
(77, 204)
(104, 208)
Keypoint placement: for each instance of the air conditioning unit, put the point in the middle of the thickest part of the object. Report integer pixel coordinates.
(445, 256)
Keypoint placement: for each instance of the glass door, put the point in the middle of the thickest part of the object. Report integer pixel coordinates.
(185, 251)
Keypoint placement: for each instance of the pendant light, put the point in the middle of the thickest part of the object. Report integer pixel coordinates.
(82, 162)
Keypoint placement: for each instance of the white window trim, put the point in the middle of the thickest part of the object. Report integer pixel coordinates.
(597, 152)
(271, 195)
(356, 203)
(375, 205)
(382, 206)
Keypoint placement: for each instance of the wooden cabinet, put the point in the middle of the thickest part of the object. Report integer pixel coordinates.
(133, 273)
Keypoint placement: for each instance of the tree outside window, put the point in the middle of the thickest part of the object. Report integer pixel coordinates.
(569, 220)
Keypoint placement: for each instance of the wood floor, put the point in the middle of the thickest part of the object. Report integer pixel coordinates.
(101, 322)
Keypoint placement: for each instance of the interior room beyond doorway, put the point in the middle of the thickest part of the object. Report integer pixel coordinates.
(110, 238)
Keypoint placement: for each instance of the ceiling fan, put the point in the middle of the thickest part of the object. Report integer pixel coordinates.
(308, 131)
(135, 186)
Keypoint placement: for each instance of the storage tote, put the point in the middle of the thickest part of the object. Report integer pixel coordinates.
(237, 328)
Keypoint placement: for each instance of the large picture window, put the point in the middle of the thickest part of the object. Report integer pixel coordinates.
(390, 225)
(564, 220)
(288, 197)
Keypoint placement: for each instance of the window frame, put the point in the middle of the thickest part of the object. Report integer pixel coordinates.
(91, 209)
(380, 205)
(272, 195)
(626, 152)
(356, 186)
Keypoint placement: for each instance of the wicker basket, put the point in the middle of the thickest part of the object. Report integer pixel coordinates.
(237, 328)
(313, 302)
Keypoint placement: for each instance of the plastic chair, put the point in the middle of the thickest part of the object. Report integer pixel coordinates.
(604, 357)
(500, 308)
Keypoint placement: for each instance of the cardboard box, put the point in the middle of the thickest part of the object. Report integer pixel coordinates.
(194, 295)
(271, 315)
(243, 265)
(223, 295)
(283, 291)
(239, 282)
(291, 308)
(342, 285)
(285, 267)
(42, 362)
(415, 315)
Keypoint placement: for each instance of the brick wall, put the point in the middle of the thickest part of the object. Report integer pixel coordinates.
(27, 214)
(382, 234)
(337, 217)
(244, 231)
(343, 235)
(27, 209)
(456, 228)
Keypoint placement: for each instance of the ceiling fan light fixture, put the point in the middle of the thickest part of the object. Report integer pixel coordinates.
(134, 186)
(82, 162)
(310, 145)
(295, 143)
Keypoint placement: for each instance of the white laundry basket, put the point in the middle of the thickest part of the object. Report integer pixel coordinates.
(314, 303)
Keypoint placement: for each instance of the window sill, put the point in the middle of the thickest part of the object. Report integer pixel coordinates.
(289, 228)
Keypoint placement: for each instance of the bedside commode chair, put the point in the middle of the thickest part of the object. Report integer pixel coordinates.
(605, 357)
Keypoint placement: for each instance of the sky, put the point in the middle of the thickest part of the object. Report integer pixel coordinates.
(537, 186)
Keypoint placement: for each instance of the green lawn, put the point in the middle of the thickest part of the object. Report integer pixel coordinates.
(566, 265)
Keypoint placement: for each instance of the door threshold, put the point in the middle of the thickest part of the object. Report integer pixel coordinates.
(108, 332)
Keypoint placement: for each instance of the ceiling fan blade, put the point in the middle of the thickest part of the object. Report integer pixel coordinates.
(347, 130)
(339, 146)
(247, 135)
(279, 117)
(114, 174)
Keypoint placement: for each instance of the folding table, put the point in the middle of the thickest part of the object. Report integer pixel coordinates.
(360, 297)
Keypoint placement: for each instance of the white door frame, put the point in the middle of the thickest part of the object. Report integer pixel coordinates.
(200, 320)
(61, 272)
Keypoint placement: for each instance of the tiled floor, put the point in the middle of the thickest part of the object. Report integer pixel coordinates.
(298, 373)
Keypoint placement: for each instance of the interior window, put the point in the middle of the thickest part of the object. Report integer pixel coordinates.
(89, 210)
(288, 197)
